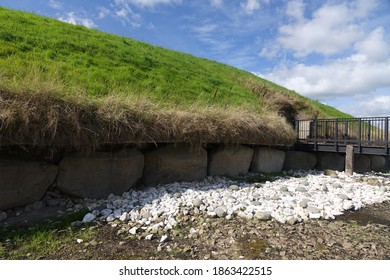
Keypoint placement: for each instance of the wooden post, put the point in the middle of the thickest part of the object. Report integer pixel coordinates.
(349, 158)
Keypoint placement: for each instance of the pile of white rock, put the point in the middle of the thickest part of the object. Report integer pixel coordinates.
(302, 195)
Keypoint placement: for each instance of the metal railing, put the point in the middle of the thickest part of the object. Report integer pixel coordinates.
(366, 134)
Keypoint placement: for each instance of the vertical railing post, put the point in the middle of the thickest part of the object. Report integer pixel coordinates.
(346, 132)
(368, 131)
(315, 134)
(296, 126)
(337, 136)
(360, 135)
(386, 135)
(326, 131)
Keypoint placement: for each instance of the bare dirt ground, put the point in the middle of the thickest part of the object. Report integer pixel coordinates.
(364, 234)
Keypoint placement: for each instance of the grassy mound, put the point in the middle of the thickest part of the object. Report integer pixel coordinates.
(69, 86)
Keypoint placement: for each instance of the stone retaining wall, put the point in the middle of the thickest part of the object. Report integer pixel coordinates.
(174, 163)
(99, 174)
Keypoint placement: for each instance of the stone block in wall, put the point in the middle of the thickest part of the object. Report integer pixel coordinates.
(175, 163)
(100, 174)
(333, 161)
(230, 161)
(378, 163)
(24, 182)
(387, 167)
(267, 160)
(296, 160)
(362, 163)
(366, 163)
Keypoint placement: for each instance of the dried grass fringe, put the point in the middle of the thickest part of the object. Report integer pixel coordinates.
(44, 120)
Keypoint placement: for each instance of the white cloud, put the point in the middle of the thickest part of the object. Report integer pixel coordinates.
(366, 70)
(205, 29)
(374, 48)
(206, 34)
(103, 12)
(363, 7)
(296, 9)
(123, 12)
(250, 6)
(147, 3)
(216, 3)
(330, 29)
(352, 55)
(73, 19)
(372, 106)
(55, 4)
(270, 52)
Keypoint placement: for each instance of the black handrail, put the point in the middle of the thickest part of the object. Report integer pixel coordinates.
(372, 132)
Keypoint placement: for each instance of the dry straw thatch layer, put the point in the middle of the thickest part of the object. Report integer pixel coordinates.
(45, 120)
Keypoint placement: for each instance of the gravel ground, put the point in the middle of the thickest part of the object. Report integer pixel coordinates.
(362, 234)
(358, 235)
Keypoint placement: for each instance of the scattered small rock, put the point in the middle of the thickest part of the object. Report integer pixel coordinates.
(77, 224)
(186, 249)
(283, 189)
(373, 182)
(38, 204)
(313, 210)
(234, 188)
(177, 195)
(292, 220)
(265, 216)
(3, 216)
(133, 230)
(337, 185)
(197, 202)
(53, 202)
(343, 196)
(149, 237)
(329, 172)
(110, 218)
(89, 218)
(106, 212)
(301, 189)
(304, 202)
(146, 214)
(164, 238)
(221, 211)
(123, 217)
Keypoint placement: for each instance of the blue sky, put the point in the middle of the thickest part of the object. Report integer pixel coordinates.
(337, 52)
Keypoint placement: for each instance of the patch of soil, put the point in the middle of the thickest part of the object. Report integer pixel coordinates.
(364, 234)
(34, 216)
(373, 214)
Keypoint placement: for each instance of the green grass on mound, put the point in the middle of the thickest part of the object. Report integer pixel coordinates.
(66, 85)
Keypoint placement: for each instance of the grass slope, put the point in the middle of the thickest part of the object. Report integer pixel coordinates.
(66, 85)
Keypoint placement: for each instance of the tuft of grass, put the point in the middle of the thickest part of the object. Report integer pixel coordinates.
(254, 247)
(66, 85)
(42, 238)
